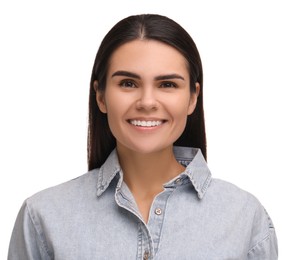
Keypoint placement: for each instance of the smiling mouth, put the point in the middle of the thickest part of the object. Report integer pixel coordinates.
(148, 123)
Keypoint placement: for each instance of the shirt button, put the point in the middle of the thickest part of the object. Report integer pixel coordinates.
(158, 211)
(146, 255)
(178, 181)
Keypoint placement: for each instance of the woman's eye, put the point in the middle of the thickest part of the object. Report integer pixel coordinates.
(127, 84)
(168, 85)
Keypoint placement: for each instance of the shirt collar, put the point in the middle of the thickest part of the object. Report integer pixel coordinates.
(107, 172)
(196, 170)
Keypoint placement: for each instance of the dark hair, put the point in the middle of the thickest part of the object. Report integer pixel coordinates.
(100, 140)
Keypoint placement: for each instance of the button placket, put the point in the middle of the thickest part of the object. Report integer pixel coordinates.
(156, 218)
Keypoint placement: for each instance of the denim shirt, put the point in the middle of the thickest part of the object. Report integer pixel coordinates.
(95, 217)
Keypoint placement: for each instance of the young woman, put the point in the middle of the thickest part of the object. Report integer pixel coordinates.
(148, 193)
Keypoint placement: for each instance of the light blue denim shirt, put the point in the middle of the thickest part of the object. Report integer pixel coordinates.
(95, 217)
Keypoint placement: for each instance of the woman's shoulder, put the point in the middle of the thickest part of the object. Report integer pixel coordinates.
(69, 192)
(263, 236)
(231, 191)
(233, 197)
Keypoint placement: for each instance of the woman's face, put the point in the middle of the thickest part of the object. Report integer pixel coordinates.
(147, 96)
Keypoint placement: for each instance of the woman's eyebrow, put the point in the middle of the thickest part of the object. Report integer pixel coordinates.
(126, 73)
(169, 76)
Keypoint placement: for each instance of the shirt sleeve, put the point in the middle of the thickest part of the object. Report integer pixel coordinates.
(26, 240)
(264, 245)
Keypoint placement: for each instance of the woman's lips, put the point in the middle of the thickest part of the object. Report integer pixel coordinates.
(146, 123)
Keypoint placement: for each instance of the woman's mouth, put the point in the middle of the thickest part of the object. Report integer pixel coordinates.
(146, 123)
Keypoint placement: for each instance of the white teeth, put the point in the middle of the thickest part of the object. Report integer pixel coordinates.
(145, 123)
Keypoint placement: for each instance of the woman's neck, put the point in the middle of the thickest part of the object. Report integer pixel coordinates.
(148, 169)
(145, 174)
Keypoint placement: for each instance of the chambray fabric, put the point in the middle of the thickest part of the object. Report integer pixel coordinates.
(95, 217)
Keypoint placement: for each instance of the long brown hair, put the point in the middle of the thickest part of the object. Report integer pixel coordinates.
(100, 140)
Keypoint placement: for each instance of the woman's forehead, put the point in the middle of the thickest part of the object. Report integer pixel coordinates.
(148, 57)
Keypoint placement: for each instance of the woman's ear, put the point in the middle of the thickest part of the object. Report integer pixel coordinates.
(193, 99)
(99, 98)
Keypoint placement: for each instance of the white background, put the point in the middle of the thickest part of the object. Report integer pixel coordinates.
(47, 49)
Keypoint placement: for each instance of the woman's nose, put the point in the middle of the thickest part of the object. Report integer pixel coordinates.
(147, 100)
